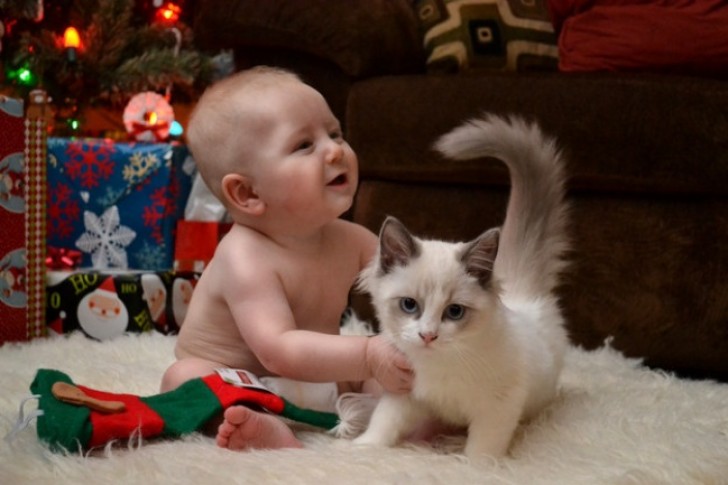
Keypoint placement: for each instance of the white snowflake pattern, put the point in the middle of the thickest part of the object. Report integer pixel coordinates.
(105, 239)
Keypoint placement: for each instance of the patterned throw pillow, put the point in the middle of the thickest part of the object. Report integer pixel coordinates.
(498, 35)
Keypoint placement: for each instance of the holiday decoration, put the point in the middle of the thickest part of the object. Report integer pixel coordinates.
(148, 117)
(35, 214)
(76, 418)
(118, 203)
(168, 13)
(196, 242)
(106, 305)
(71, 41)
(13, 266)
(22, 205)
(120, 48)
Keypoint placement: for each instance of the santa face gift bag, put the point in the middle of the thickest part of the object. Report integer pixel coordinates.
(104, 305)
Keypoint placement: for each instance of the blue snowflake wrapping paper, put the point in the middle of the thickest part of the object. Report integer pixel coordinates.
(118, 203)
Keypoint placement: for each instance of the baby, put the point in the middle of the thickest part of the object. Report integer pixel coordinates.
(270, 301)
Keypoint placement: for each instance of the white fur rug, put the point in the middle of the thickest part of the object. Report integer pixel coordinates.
(615, 422)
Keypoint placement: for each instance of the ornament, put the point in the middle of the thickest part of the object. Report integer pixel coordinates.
(148, 117)
(72, 42)
(39, 12)
(168, 13)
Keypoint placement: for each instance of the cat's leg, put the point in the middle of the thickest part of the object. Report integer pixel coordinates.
(394, 416)
(491, 431)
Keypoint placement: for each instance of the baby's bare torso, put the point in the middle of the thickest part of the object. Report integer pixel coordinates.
(316, 287)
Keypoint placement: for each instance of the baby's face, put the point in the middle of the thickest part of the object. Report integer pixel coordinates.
(302, 167)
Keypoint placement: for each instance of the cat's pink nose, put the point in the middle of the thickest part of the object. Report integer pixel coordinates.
(428, 337)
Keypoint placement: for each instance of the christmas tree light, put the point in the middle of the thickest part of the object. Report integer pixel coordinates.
(26, 77)
(23, 76)
(71, 41)
(169, 13)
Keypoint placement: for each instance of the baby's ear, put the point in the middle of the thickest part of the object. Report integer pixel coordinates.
(238, 192)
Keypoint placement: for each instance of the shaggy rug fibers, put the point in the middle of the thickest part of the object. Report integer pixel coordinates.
(614, 422)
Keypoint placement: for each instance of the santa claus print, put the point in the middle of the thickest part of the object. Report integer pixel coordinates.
(12, 196)
(155, 294)
(101, 314)
(12, 279)
(181, 295)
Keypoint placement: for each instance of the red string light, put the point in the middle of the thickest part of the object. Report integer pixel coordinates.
(168, 13)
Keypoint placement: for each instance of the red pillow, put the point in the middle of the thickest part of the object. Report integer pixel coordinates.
(560, 10)
(687, 37)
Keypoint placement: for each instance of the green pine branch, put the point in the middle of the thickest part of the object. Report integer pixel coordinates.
(116, 60)
(20, 8)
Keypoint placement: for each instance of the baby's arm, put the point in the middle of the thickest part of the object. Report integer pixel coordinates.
(270, 332)
(255, 295)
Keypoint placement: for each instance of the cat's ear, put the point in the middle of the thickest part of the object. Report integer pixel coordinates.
(479, 256)
(396, 245)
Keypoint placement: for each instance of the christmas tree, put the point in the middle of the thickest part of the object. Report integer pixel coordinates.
(119, 48)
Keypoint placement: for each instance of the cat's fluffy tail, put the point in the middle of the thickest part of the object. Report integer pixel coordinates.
(533, 237)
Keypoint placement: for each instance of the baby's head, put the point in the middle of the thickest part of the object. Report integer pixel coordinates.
(220, 131)
(267, 143)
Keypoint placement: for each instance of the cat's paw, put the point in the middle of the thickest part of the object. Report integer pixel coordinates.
(373, 439)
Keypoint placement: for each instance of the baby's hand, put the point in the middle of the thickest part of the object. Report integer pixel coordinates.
(389, 366)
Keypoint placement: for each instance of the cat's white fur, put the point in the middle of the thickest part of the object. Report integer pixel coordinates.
(500, 361)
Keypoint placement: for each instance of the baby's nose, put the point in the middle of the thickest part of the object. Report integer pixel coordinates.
(334, 152)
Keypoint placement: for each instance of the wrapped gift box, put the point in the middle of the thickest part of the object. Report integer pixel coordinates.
(196, 243)
(22, 213)
(118, 203)
(106, 304)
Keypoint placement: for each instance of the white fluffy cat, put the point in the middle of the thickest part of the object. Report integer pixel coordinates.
(479, 320)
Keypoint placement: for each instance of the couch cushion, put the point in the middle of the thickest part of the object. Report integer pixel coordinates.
(621, 133)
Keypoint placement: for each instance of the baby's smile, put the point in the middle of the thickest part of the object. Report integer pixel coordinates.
(340, 179)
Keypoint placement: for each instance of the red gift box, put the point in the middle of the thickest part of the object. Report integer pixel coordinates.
(196, 243)
(22, 218)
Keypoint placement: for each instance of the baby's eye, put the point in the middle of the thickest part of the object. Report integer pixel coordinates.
(454, 312)
(304, 145)
(408, 305)
(336, 135)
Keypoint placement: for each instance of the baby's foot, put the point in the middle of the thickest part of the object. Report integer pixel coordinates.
(244, 428)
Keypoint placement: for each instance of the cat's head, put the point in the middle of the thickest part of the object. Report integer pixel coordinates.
(428, 293)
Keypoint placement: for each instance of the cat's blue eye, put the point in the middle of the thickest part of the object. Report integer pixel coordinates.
(408, 305)
(454, 312)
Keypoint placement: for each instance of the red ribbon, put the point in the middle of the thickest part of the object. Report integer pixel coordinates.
(156, 129)
(62, 258)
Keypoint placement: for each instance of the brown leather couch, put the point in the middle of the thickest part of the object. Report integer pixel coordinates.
(648, 164)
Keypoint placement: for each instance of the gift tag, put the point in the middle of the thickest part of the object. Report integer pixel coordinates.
(241, 378)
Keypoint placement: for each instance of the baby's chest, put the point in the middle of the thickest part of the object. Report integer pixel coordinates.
(319, 298)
